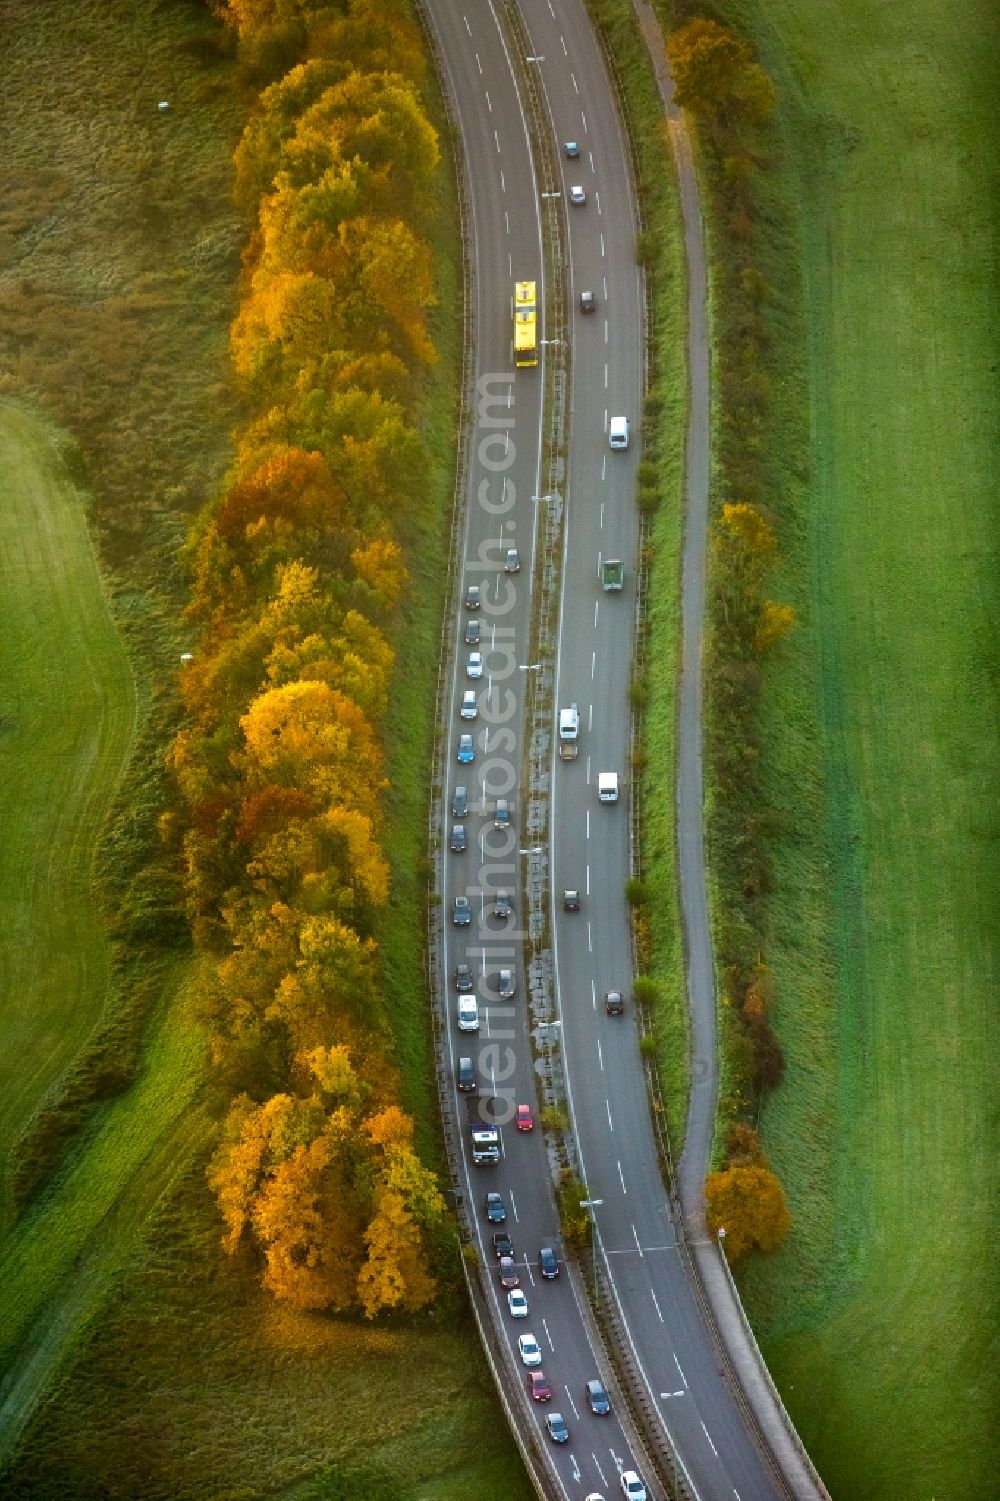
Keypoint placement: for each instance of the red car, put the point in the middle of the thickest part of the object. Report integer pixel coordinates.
(539, 1388)
(525, 1119)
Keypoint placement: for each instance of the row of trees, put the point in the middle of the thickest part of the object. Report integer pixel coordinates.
(296, 579)
(732, 98)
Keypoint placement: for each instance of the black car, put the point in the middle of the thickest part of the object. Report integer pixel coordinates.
(597, 1398)
(501, 814)
(459, 841)
(472, 630)
(466, 1075)
(571, 901)
(547, 1263)
(588, 302)
(502, 906)
(463, 977)
(472, 599)
(496, 1211)
(460, 802)
(614, 1003)
(502, 1244)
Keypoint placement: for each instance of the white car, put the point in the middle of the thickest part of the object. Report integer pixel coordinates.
(517, 1303)
(470, 708)
(530, 1350)
(468, 1013)
(632, 1486)
(577, 195)
(474, 666)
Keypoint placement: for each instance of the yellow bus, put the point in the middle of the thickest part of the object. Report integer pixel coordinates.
(525, 321)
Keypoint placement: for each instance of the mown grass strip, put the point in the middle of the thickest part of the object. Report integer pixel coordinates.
(56, 1268)
(67, 722)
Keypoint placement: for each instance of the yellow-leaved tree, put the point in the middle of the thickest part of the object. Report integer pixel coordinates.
(748, 1202)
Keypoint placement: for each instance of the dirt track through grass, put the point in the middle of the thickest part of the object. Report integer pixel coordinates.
(67, 719)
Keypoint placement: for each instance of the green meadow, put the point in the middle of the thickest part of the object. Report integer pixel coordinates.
(879, 1315)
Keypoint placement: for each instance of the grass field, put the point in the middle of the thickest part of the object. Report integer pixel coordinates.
(67, 719)
(880, 1314)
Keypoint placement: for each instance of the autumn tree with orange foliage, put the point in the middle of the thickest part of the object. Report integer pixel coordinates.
(748, 1202)
(296, 578)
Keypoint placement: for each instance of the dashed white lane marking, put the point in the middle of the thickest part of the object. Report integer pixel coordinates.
(605, 289)
(595, 614)
(569, 1399)
(635, 1236)
(588, 823)
(506, 221)
(587, 887)
(503, 183)
(602, 516)
(513, 1208)
(605, 375)
(602, 244)
(607, 1106)
(583, 117)
(593, 666)
(563, 40)
(709, 1437)
(576, 86)
(659, 1316)
(680, 1371)
(597, 1466)
(597, 198)
(551, 11)
(590, 716)
(478, 63)
(605, 321)
(600, 1054)
(548, 1336)
(467, 26)
(496, 137)
(489, 101)
(622, 1176)
(593, 169)
(590, 939)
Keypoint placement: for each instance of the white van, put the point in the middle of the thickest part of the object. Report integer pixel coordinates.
(618, 432)
(607, 786)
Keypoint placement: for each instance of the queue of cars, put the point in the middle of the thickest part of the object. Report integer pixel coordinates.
(537, 1383)
(503, 984)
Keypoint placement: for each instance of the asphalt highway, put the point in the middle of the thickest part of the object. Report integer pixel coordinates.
(669, 1339)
